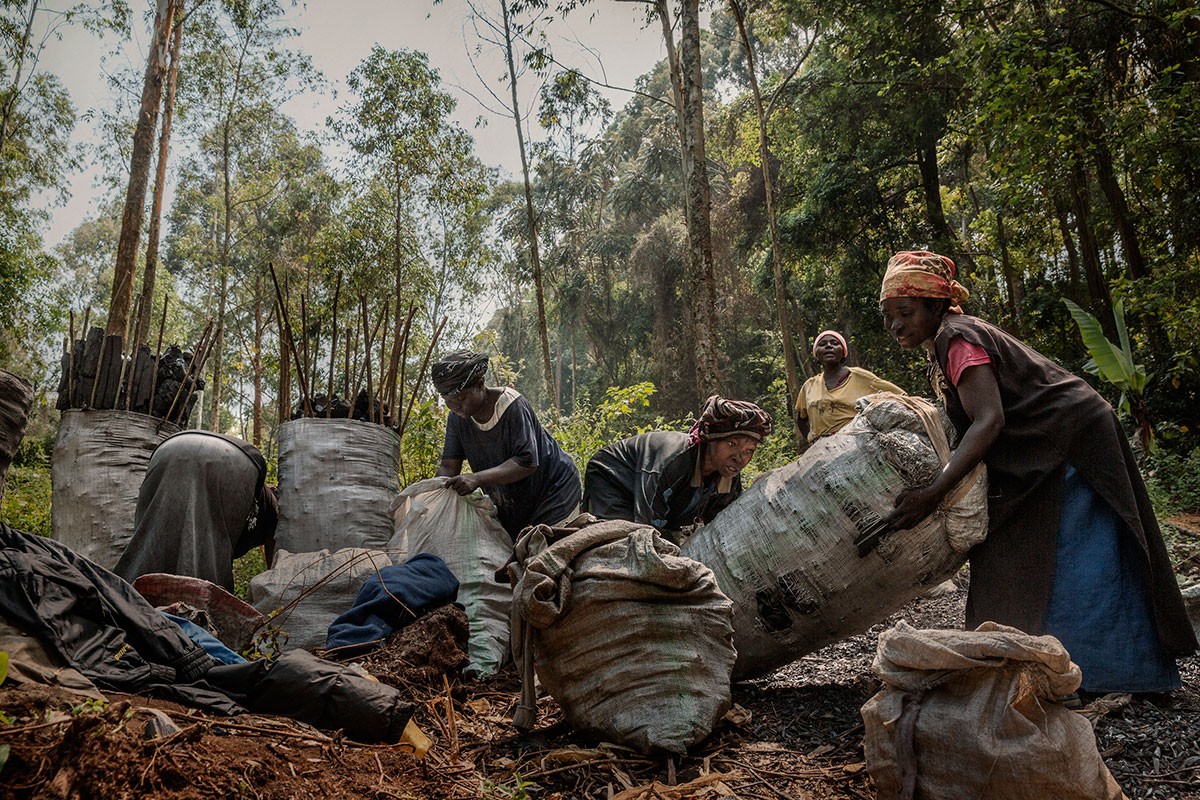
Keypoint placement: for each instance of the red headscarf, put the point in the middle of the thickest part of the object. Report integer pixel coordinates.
(920, 273)
(841, 340)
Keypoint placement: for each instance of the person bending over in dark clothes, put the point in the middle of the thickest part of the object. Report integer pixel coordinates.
(513, 459)
(1073, 546)
(203, 503)
(671, 479)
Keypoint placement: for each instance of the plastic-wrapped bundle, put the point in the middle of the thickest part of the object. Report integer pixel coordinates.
(785, 552)
(632, 640)
(337, 481)
(465, 534)
(97, 468)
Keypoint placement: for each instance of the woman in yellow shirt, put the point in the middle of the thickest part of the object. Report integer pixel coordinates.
(826, 401)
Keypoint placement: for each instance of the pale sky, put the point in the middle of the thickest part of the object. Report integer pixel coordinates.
(607, 41)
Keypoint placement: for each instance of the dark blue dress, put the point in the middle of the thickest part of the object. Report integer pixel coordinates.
(547, 496)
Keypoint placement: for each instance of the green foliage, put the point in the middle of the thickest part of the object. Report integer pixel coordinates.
(421, 446)
(1174, 481)
(90, 705)
(3, 666)
(1114, 364)
(26, 505)
(244, 569)
(515, 789)
(624, 411)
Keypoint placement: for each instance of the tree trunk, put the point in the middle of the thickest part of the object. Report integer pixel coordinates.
(257, 410)
(1073, 269)
(764, 152)
(1089, 252)
(535, 258)
(699, 202)
(1012, 282)
(150, 270)
(1106, 177)
(139, 173)
(945, 240)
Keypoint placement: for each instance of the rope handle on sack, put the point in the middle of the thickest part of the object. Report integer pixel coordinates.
(525, 714)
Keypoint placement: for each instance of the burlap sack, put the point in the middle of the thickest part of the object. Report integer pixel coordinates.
(632, 640)
(972, 714)
(785, 554)
(465, 534)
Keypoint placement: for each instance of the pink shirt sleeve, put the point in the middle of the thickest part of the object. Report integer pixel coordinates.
(963, 354)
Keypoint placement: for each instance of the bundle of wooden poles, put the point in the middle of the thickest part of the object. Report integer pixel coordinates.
(98, 373)
(373, 362)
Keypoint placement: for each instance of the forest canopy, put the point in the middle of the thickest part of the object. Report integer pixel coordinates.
(691, 238)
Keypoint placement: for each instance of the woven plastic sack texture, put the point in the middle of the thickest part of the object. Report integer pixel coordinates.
(784, 552)
(633, 640)
(97, 468)
(337, 481)
(302, 593)
(462, 531)
(972, 714)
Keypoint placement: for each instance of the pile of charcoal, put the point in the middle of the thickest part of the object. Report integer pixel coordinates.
(96, 374)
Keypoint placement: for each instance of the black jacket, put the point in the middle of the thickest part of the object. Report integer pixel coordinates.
(102, 627)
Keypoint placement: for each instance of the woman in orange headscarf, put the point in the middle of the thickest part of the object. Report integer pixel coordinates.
(1073, 547)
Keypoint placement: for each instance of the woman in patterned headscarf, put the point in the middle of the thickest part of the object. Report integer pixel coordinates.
(671, 479)
(513, 459)
(1073, 547)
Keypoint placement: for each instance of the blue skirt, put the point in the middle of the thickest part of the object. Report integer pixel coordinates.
(1100, 608)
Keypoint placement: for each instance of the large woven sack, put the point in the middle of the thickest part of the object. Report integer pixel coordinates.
(972, 714)
(785, 554)
(337, 480)
(632, 640)
(302, 593)
(97, 468)
(464, 533)
(16, 398)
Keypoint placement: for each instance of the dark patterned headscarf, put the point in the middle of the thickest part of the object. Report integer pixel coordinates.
(720, 418)
(458, 370)
(920, 273)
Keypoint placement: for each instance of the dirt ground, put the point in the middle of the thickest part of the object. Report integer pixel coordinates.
(796, 734)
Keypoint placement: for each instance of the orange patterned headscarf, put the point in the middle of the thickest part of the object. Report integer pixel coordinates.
(920, 273)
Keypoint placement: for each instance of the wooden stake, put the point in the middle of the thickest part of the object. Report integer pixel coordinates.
(337, 290)
(71, 364)
(186, 373)
(162, 323)
(301, 378)
(421, 376)
(367, 339)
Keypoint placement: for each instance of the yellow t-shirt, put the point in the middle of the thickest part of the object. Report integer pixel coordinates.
(828, 411)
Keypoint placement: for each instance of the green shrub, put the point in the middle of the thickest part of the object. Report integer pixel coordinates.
(624, 411)
(1174, 481)
(421, 445)
(26, 505)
